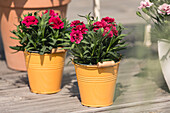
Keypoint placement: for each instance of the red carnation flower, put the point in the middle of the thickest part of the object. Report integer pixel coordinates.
(30, 20)
(81, 28)
(52, 13)
(108, 19)
(103, 24)
(106, 29)
(75, 23)
(97, 25)
(56, 23)
(113, 31)
(76, 36)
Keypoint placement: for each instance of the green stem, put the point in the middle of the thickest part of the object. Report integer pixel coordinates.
(109, 46)
(79, 51)
(93, 50)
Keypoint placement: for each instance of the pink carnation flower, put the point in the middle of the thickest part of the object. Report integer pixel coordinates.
(75, 23)
(76, 36)
(52, 13)
(56, 23)
(164, 9)
(108, 19)
(144, 4)
(81, 28)
(30, 20)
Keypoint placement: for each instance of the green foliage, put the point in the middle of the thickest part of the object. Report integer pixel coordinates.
(95, 47)
(163, 33)
(41, 37)
(160, 2)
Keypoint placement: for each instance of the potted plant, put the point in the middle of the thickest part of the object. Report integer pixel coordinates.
(10, 11)
(95, 50)
(41, 37)
(159, 12)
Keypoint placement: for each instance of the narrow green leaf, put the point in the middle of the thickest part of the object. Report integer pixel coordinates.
(14, 38)
(138, 13)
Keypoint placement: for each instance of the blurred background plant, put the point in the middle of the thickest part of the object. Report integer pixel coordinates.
(158, 12)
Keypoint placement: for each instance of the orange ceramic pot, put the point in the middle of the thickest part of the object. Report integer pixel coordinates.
(96, 85)
(45, 71)
(10, 10)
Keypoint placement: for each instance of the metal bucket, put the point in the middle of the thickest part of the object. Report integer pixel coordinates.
(96, 85)
(45, 71)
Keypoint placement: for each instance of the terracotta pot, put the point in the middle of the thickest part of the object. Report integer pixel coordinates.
(164, 53)
(45, 71)
(96, 84)
(10, 10)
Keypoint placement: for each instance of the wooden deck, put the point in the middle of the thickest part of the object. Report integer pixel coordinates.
(140, 88)
(140, 85)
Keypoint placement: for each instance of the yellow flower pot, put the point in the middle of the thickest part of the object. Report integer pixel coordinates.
(96, 84)
(45, 71)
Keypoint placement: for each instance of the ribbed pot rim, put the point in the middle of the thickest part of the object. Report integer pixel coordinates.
(37, 53)
(86, 65)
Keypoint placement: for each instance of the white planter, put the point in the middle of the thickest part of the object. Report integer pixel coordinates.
(164, 58)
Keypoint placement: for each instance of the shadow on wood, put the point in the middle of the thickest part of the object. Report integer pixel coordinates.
(151, 70)
(67, 78)
(119, 90)
(23, 80)
(74, 90)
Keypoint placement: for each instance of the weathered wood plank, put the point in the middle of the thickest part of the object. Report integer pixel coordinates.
(132, 92)
(121, 107)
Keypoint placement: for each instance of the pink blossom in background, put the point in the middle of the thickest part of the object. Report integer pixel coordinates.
(30, 20)
(164, 9)
(52, 13)
(76, 36)
(144, 4)
(76, 22)
(81, 28)
(56, 23)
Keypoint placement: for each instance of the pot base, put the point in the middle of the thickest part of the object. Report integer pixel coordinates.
(52, 92)
(97, 105)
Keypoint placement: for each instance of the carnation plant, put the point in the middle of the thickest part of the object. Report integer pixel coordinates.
(41, 32)
(159, 13)
(96, 41)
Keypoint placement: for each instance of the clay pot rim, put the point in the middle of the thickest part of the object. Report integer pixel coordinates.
(35, 6)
